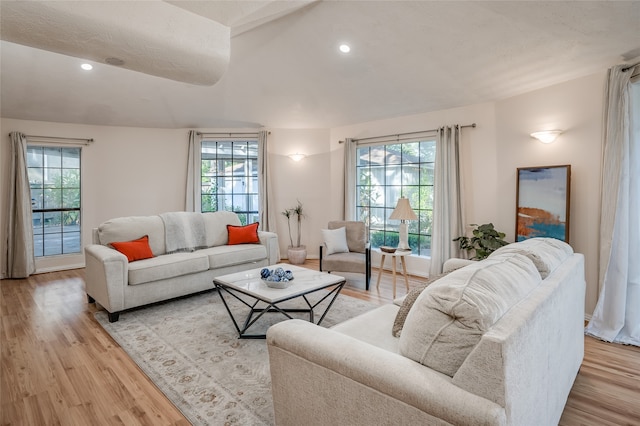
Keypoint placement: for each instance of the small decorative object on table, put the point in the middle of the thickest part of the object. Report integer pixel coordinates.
(276, 278)
(388, 249)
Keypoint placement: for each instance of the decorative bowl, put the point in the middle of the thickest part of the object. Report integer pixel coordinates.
(276, 278)
(387, 249)
(277, 284)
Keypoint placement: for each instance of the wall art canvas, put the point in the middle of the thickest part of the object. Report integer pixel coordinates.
(542, 202)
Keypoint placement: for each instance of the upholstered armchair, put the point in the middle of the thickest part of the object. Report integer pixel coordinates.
(346, 249)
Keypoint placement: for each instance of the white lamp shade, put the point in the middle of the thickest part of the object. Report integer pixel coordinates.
(403, 211)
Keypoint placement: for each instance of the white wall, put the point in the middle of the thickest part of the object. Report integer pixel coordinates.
(576, 108)
(132, 171)
(307, 180)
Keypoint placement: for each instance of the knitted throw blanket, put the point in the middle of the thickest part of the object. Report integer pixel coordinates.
(183, 232)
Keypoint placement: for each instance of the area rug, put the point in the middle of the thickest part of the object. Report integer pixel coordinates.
(190, 349)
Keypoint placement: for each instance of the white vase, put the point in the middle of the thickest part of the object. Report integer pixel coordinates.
(297, 255)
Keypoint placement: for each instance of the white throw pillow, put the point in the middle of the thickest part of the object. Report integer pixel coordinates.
(450, 316)
(546, 253)
(335, 240)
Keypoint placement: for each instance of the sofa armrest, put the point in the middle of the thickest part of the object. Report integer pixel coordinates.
(455, 263)
(345, 372)
(270, 240)
(106, 276)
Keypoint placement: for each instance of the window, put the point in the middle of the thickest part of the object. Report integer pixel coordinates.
(383, 174)
(54, 179)
(229, 177)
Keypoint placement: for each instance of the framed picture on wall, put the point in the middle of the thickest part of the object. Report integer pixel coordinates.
(542, 202)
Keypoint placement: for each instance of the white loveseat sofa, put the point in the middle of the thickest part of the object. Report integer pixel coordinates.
(497, 342)
(117, 284)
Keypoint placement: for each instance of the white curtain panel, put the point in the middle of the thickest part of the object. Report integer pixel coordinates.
(448, 209)
(192, 200)
(267, 208)
(18, 259)
(617, 314)
(350, 179)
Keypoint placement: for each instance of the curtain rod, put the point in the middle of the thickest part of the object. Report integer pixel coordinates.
(229, 135)
(60, 139)
(630, 67)
(397, 135)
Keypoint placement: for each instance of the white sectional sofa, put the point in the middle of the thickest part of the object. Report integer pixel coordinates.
(198, 248)
(497, 342)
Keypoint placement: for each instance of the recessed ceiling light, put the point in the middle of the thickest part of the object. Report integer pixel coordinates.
(86, 67)
(344, 48)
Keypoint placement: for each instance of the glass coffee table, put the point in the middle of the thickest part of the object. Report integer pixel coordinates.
(249, 288)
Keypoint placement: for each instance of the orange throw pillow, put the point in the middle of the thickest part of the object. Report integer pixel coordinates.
(243, 234)
(135, 250)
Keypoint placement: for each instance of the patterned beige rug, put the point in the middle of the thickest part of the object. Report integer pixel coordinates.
(190, 350)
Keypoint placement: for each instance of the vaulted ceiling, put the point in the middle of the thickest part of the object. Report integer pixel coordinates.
(227, 64)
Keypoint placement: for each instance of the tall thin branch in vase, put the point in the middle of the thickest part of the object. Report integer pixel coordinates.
(297, 210)
(287, 213)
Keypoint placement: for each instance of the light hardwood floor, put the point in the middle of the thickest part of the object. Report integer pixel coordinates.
(59, 367)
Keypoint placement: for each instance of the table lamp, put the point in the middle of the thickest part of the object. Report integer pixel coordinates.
(403, 212)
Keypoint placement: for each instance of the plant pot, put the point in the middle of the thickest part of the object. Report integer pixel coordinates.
(297, 255)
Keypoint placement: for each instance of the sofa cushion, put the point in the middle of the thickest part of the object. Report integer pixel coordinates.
(344, 262)
(215, 225)
(167, 266)
(450, 316)
(408, 301)
(372, 327)
(132, 227)
(222, 256)
(546, 253)
(134, 250)
(335, 240)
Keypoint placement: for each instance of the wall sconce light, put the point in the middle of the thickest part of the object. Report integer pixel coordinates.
(546, 136)
(296, 156)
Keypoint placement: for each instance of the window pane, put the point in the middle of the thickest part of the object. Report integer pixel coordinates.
(36, 198)
(229, 177)
(71, 198)
(52, 198)
(34, 156)
(52, 178)
(52, 157)
(385, 173)
(362, 157)
(71, 158)
(55, 184)
(52, 244)
(37, 223)
(71, 178)
(393, 154)
(38, 245)
(71, 242)
(35, 177)
(426, 174)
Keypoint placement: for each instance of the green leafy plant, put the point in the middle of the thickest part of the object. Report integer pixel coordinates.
(289, 213)
(486, 239)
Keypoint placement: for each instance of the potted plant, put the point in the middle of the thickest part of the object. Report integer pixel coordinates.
(486, 239)
(297, 254)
